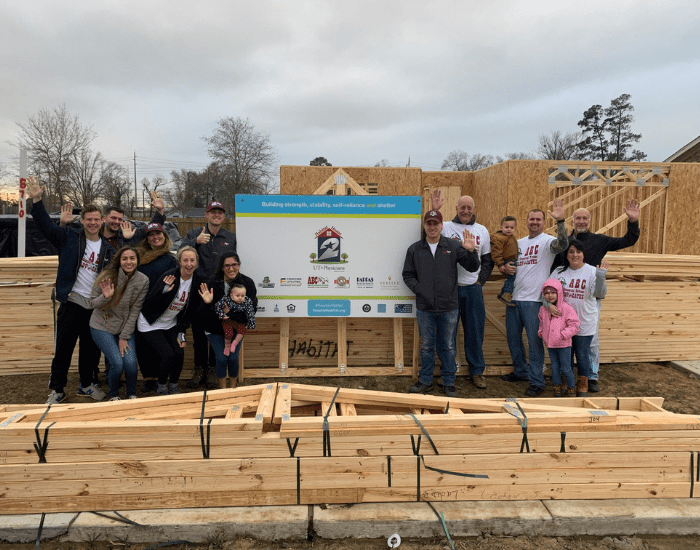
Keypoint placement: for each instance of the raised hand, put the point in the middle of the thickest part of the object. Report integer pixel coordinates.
(436, 200)
(34, 189)
(206, 293)
(107, 288)
(632, 210)
(203, 237)
(157, 201)
(468, 240)
(604, 265)
(66, 214)
(168, 280)
(127, 231)
(558, 211)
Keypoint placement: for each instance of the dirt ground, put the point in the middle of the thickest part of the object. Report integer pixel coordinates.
(680, 390)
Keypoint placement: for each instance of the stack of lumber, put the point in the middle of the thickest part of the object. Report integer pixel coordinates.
(298, 444)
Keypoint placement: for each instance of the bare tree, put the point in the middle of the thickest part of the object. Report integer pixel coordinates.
(320, 161)
(461, 161)
(245, 157)
(559, 146)
(116, 187)
(53, 138)
(514, 156)
(382, 163)
(85, 177)
(180, 194)
(158, 182)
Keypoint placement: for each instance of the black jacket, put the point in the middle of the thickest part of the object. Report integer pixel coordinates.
(157, 301)
(598, 245)
(210, 253)
(71, 244)
(434, 279)
(206, 313)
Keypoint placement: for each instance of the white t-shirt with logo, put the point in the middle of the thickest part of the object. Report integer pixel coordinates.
(169, 318)
(534, 263)
(579, 288)
(453, 230)
(87, 272)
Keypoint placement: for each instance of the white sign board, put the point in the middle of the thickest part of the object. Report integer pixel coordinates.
(328, 256)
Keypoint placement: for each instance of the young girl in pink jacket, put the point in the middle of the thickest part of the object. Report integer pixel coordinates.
(556, 333)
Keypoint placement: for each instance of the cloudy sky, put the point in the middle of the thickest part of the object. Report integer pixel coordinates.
(355, 82)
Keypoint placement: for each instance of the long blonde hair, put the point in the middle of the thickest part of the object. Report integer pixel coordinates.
(111, 272)
(149, 254)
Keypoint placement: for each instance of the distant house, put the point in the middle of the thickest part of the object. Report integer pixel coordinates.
(689, 153)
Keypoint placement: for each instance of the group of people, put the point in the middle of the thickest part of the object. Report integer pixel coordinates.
(123, 294)
(552, 290)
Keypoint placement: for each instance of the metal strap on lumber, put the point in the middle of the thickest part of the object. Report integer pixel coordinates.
(521, 417)
(205, 448)
(441, 517)
(41, 446)
(563, 442)
(326, 432)
(292, 448)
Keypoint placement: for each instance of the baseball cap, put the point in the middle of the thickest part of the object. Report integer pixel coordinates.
(215, 204)
(154, 227)
(432, 215)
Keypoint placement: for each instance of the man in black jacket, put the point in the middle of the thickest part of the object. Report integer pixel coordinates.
(430, 271)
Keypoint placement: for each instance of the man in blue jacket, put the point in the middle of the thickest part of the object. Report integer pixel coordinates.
(82, 253)
(430, 271)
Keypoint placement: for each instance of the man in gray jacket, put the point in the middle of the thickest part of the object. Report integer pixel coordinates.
(430, 271)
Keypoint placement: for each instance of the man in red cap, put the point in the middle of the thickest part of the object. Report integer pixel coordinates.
(430, 271)
(210, 241)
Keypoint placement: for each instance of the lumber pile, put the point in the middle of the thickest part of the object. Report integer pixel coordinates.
(299, 444)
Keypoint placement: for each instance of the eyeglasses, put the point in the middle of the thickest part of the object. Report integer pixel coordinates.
(231, 266)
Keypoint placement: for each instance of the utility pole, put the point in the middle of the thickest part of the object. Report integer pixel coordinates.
(136, 195)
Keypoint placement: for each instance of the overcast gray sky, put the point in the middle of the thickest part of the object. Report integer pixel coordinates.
(355, 82)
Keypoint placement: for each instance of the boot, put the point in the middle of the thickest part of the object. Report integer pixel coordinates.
(557, 391)
(582, 386)
(197, 378)
(571, 392)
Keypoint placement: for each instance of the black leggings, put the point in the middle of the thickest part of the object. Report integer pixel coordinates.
(160, 354)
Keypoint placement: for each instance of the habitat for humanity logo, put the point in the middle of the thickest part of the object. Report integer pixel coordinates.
(342, 282)
(328, 247)
(364, 282)
(317, 282)
(266, 283)
(290, 281)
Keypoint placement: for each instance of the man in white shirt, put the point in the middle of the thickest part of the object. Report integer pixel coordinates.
(472, 311)
(536, 253)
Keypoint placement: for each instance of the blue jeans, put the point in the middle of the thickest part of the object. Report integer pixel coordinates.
(473, 315)
(109, 344)
(561, 364)
(437, 329)
(509, 283)
(581, 347)
(224, 363)
(524, 315)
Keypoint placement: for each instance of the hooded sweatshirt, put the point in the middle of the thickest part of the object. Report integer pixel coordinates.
(556, 332)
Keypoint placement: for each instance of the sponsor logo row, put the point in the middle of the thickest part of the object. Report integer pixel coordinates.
(317, 281)
(367, 308)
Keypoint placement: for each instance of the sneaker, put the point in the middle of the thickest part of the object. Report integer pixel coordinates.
(533, 391)
(173, 389)
(133, 397)
(593, 386)
(510, 377)
(91, 391)
(479, 380)
(162, 389)
(419, 387)
(55, 398)
(197, 378)
(506, 298)
(450, 391)
(115, 398)
(149, 386)
(212, 380)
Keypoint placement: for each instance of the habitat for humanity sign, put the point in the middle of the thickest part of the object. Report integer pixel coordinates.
(328, 256)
